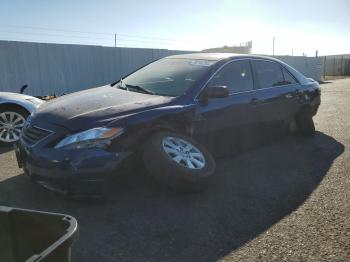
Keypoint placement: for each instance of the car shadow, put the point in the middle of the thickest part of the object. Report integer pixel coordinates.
(140, 221)
(324, 82)
(5, 149)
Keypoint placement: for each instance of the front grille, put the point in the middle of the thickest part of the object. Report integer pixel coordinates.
(33, 134)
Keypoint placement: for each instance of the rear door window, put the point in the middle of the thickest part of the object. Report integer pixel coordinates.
(288, 77)
(268, 74)
(237, 76)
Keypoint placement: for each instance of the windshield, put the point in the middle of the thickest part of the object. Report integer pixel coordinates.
(169, 76)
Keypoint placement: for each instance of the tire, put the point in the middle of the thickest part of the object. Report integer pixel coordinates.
(178, 176)
(8, 135)
(304, 124)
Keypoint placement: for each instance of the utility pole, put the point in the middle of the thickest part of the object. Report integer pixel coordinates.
(316, 53)
(273, 46)
(115, 40)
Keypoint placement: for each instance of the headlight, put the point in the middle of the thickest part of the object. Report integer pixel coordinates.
(96, 137)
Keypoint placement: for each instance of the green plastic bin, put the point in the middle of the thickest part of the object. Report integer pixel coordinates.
(28, 235)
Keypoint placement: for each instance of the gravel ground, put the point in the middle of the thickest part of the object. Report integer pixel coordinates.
(285, 201)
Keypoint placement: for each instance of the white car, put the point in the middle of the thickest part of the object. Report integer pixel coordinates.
(14, 110)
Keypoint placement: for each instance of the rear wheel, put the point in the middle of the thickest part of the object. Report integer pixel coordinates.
(12, 120)
(178, 162)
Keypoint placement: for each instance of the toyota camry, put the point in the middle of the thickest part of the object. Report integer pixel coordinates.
(175, 113)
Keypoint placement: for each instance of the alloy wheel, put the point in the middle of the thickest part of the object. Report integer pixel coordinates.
(11, 124)
(183, 152)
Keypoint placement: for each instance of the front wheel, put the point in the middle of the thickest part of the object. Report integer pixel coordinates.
(178, 162)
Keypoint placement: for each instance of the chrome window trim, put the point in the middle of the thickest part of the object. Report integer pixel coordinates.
(282, 67)
(212, 76)
(289, 73)
(248, 91)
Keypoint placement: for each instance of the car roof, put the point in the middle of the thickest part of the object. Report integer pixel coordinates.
(217, 56)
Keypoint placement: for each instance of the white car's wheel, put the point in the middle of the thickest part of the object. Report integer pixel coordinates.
(11, 123)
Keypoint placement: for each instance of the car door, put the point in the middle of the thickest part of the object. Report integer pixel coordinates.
(226, 121)
(277, 92)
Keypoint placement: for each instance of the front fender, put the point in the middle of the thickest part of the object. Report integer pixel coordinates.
(179, 112)
(141, 125)
(28, 105)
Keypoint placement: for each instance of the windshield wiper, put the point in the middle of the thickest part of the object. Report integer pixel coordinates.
(120, 85)
(139, 88)
(124, 86)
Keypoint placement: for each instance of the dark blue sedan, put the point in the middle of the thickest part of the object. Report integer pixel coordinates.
(175, 113)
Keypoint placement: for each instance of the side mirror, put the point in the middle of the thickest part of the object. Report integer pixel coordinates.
(215, 92)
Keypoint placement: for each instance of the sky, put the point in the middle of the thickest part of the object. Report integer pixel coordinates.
(299, 27)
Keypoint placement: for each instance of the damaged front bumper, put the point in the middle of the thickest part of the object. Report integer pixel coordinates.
(70, 171)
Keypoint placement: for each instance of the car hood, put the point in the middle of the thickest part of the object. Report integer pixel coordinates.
(94, 107)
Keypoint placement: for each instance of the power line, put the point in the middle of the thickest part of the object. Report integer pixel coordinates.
(138, 41)
(77, 42)
(90, 41)
(48, 34)
(74, 42)
(87, 32)
(150, 37)
(55, 29)
(123, 41)
(85, 37)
